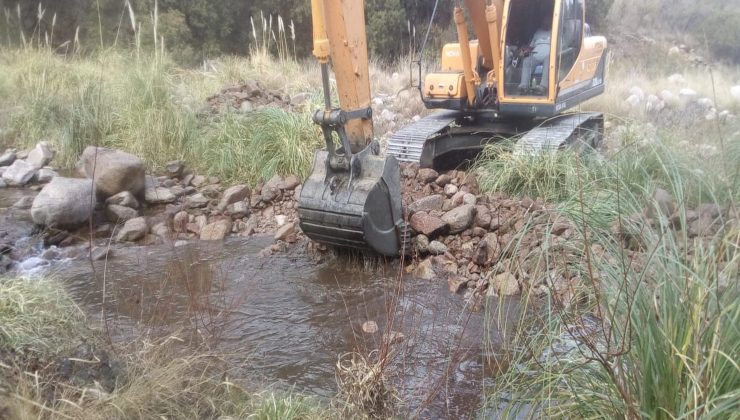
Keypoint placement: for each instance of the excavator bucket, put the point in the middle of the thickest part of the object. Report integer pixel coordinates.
(358, 208)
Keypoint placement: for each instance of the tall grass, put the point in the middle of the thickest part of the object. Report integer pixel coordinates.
(650, 330)
(144, 106)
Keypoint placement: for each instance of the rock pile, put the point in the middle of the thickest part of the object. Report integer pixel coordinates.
(246, 97)
(18, 169)
(467, 237)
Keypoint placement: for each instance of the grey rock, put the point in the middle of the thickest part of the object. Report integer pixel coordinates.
(175, 168)
(238, 210)
(197, 201)
(233, 195)
(469, 199)
(198, 181)
(19, 173)
(45, 175)
(428, 203)
(64, 203)
(451, 189)
(116, 213)
(7, 158)
(159, 195)
(459, 218)
(422, 244)
(285, 231)
(113, 170)
(125, 199)
(216, 231)
(3, 184)
(40, 156)
(437, 248)
(24, 203)
(133, 230)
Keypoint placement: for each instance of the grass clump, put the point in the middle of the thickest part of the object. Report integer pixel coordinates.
(260, 144)
(660, 341)
(550, 176)
(34, 315)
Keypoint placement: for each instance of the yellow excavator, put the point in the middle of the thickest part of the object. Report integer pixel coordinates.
(532, 61)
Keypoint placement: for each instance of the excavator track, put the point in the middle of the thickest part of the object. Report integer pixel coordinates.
(447, 139)
(407, 144)
(576, 130)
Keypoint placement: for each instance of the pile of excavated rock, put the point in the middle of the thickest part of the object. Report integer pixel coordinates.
(246, 97)
(467, 237)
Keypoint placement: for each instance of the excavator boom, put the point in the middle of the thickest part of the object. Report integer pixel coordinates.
(352, 199)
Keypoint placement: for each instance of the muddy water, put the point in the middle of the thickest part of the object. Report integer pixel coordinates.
(283, 320)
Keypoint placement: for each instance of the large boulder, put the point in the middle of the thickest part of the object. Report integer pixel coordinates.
(114, 171)
(19, 173)
(40, 156)
(64, 203)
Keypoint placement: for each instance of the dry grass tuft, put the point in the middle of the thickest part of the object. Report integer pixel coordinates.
(363, 387)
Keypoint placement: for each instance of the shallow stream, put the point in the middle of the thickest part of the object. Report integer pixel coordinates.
(283, 320)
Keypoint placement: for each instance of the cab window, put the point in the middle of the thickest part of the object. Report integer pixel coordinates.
(570, 36)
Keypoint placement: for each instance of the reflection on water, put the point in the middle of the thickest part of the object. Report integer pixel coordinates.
(287, 318)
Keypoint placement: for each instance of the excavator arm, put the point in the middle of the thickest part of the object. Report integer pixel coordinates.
(352, 198)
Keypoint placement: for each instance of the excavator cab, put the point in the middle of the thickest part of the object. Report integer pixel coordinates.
(531, 58)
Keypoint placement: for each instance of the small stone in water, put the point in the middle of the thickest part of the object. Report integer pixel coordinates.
(370, 327)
